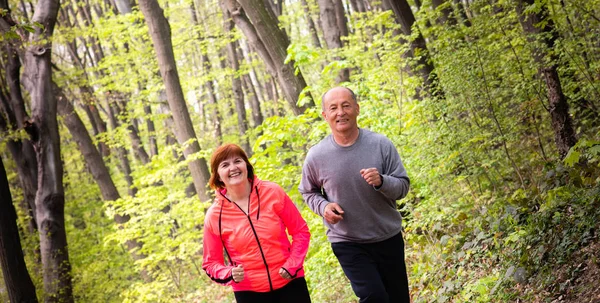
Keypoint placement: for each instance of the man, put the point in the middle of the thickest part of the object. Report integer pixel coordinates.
(352, 178)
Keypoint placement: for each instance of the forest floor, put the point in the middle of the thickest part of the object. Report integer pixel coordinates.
(575, 281)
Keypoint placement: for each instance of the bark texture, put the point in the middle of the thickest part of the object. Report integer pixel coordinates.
(418, 47)
(539, 26)
(18, 282)
(275, 43)
(43, 130)
(161, 37)
(335, 27)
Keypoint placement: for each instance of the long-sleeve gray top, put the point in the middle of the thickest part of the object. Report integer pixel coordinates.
(331, 173)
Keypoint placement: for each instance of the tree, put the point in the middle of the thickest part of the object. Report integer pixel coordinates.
(538, 26)
(236, 83)
(262, 31)
(43, 130)
(334, 24)
(161, 36)
(418, 47)
(13, 105)
(18, 283)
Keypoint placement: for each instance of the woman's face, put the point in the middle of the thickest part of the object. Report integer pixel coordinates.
(233, 171)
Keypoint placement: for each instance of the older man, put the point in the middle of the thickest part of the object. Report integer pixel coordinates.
(352, 178)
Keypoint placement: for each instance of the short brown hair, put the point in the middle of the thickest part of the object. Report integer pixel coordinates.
(223, 153)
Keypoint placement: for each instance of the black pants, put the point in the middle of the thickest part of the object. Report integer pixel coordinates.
(294, 292)
(376, 271)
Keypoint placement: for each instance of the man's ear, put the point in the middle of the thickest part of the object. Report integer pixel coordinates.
(324, 115)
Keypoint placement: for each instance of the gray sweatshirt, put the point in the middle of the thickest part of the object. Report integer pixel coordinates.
(331, 173)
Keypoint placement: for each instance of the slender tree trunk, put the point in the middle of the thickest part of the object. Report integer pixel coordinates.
(91, 155)
(334, 28)
(161, 36)
(314, 34)
(236, 83)
(276, 43)
(461, 11)
(210, 89)
(564, 134)
(418, 47)
(121, 151)
(98, 124)
(18, 282)
(22, 151)
(446, 10)
(151, 129)
(257, 116)
(43, 130)
(94, 161)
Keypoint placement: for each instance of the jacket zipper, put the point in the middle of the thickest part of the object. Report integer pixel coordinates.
(256, 236)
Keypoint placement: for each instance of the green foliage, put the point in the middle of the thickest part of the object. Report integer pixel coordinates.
(492, 208)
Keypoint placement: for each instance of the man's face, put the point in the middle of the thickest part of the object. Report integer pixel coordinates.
(340, 110)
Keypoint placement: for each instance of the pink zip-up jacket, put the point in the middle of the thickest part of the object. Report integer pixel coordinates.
(258, 241)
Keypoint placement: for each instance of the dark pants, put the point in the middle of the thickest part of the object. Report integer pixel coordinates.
(294, 292)
(376, 271)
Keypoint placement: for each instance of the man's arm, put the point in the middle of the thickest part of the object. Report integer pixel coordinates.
(395, 182)
(311, 190)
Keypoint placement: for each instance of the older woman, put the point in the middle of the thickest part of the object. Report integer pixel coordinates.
(248, 221)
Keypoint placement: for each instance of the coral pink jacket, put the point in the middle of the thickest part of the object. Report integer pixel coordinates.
(258, 241)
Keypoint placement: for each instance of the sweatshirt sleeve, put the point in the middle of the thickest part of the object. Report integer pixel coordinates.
(311, 189)
(395, 179)
(298, 229)
(212, 259)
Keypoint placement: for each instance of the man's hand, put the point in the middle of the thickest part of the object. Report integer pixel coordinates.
(333, 213)
(284, 274)
(372, 176)
(238, 273)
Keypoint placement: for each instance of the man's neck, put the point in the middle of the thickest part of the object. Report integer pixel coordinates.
(346, 139)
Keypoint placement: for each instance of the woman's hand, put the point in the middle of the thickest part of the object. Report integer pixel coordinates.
(237, 273)
(284, 274)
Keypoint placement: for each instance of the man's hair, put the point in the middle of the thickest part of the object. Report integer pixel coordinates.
(352, 95)
(223, 153)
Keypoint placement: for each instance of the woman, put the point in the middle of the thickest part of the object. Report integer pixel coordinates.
(248, 221)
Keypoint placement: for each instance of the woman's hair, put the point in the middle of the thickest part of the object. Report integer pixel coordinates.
(223, 153)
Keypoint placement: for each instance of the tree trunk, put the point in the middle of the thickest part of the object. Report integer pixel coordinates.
(539, 26)
(161, 36)
(334, 28)
(446, 10)
(314, 34)
(276, 43)
(121, 151)
(43, 130)
(22, 151)
(151, 129)
(18, 282)
(257, 116)
(92, 157)
(418, 47)
(93, 160)
(213, 111)
(236, 83)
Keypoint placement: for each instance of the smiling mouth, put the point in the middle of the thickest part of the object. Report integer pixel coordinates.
(235, 175)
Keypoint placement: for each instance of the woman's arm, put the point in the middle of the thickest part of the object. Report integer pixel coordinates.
(212, 260)
(298, 229)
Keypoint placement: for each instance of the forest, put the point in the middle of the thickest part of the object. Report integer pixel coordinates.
(110, 110)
